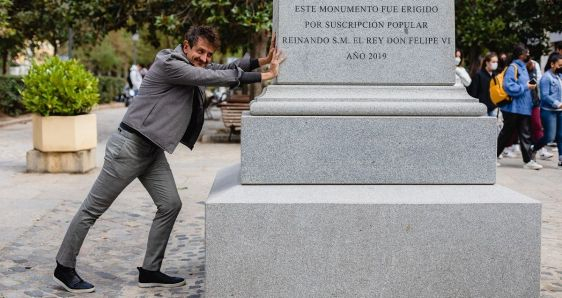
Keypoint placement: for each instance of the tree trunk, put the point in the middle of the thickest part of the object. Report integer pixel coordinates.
(258, 48)
(5, 56)
(55, 47)
(70, 42)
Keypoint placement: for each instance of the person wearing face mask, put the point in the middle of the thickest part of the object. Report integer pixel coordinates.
(537, 131)
(168, 111)
(551, 104)
(517, 113)
(480, 86)
(461, 75)
(502, 62)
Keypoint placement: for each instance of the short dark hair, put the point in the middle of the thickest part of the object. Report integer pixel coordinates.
(558, 46)
(207, 32)
(553, 58)
(519, 50)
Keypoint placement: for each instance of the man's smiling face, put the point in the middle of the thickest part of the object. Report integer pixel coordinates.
(200, 54)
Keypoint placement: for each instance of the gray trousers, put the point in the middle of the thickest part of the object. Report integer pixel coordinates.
(127, 157)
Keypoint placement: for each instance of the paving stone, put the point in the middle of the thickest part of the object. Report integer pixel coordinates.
(34, 293)
(8, 282)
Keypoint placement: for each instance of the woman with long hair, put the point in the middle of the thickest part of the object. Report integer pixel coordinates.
(480, 86)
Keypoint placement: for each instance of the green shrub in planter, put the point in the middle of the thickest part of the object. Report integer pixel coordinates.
(110, 88)
(60, 88)
(10, 99)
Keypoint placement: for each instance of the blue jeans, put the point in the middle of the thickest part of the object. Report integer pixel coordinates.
(552, 124)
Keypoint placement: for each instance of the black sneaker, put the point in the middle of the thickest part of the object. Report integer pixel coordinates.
(150, 279)
(67, 278)
(560, 164)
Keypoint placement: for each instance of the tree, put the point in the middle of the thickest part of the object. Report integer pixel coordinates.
(11, 38)
(496, 25)
(113, 55)
(5, 27)
(242, 24)
(551, 14)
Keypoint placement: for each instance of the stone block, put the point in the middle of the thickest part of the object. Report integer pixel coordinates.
(61, 162)
(368, 150)
(364, 42)
(370, 241)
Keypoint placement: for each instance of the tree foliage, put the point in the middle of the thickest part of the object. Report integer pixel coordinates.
(162, 22)
(497, 25)
(551, 14)
(5, 26)
(241, 23)
(114, 53)
(481, 25)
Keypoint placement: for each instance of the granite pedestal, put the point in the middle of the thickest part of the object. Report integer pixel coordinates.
(370, 241)
(374, 135)
(366, 98)
(368, 150)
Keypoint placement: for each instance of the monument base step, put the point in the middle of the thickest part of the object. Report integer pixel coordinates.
(61, 162)
(370, 241)
(333, 100)
(348, 93)
(368, 150)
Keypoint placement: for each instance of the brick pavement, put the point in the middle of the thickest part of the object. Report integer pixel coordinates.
(36, 210)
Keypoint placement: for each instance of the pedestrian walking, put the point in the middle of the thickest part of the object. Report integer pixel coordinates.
(143, 70)
(502, 62)
(517, 113)
(480, 86)
(551, 104)
(136, 78)
(537, 131)
(167, 111)
(461, 75)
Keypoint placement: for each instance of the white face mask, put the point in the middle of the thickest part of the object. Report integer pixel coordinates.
(494, 65)
(457, 60)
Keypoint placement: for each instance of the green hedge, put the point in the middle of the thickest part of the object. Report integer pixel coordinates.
(110, 88)
(10, 98)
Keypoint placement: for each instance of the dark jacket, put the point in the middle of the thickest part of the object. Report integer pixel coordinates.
(480, 88)
(169, 107)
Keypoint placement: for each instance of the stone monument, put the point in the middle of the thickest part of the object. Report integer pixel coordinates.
(365, 172)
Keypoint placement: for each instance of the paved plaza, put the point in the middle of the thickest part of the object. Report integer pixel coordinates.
(36, 209)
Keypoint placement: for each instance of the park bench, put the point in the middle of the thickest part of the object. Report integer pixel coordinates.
(232, 110)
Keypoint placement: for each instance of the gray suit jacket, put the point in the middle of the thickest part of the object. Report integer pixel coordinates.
(169, 107)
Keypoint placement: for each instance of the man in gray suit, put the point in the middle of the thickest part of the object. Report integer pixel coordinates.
(167, 111)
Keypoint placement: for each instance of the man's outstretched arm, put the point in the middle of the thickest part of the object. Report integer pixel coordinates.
(247, 63)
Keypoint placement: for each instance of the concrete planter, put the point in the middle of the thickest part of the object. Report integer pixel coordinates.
(64, 133)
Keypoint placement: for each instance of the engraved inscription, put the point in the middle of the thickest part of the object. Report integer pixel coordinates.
(394, 22)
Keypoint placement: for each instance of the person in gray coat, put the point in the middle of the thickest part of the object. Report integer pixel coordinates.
(167, 111)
